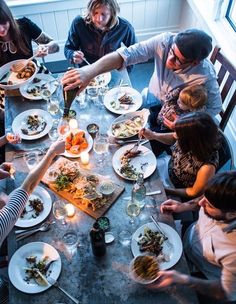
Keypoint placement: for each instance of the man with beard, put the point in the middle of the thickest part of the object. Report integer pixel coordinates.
(209, 243)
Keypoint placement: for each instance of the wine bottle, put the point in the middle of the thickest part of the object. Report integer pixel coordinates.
(69, 97)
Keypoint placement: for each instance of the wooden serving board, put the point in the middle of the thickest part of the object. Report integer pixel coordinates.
(69, 196)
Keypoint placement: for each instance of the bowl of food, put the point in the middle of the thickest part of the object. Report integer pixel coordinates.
(10, 80)
(106, 187)
(144, 269)
(92, 129)
(103, 223)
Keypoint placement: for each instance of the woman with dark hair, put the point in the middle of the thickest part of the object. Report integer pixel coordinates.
(99, 32)
(194, 159)
(16, 36)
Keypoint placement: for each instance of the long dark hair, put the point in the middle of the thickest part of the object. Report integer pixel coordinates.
(113, 6)
(197, 133)
(14, 30)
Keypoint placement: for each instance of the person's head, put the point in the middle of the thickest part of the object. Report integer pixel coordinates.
(192, 98)
(197, 133)
(189, 47)
(9, 29)
(218, 201)
(102, 14)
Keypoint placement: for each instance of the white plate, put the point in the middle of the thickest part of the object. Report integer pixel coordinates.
(114, 94)
(146, 156)
(104, 78)
(17, 82)
(18, 262)
(173, 237)
(90, 145)
(16, 125)
(44, 79)
(28, 220)
(144, 113)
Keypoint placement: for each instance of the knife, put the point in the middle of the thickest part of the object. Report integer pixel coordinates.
(147, 194)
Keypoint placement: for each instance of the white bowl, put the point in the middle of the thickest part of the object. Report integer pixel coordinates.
(143, 259)
(17, 82)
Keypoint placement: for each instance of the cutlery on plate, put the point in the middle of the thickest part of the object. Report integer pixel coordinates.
(160, 230)
(53, 282)
(21, 235)
(42, 151)
(124, 142)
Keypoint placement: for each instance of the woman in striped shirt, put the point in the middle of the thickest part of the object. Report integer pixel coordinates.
(18, 198)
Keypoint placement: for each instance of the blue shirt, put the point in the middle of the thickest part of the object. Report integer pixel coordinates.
(95, 43)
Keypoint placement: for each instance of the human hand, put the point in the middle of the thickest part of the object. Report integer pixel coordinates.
(42, 50)
(13, 138)
(168, 278)
(77, 78)
(170, 123)
(57, 147)
(5, 169)
(78, 57)
(171, 205)
(148, 134)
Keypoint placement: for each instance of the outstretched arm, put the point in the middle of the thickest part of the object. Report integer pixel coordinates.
(208, 288)
(52, 46)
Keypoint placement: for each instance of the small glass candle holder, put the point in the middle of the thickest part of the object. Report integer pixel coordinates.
(70, 209)
(84, 156)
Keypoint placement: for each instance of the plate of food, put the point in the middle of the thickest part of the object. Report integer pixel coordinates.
(36, 209)
(11, 80)
(147, 240)
(32, 124)
(32, 264)
(128, 163)
(128, 125)
(76, 142)
(33, 89)
(122, 100)
(100, 80)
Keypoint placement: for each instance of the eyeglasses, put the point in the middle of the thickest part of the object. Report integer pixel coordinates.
(176, 58)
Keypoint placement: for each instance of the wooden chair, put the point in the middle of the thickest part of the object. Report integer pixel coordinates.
(227, 82)
(226, 156)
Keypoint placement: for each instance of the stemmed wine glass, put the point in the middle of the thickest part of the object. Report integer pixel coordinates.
(133, 210)
(101, 145)
(60, 212)
(63, 127)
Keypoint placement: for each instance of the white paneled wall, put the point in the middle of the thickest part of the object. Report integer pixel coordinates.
(149, 17)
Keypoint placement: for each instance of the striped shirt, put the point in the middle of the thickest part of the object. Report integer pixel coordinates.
(11, 212)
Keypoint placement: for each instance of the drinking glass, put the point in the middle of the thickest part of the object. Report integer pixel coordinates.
(31, 158)
(81, 99)
(101, 145)
(133, 210)
(53, 106)
(63, 127)
(45, 93)
(93, 94)
(53, 133)
(70, 239)
(60, 212)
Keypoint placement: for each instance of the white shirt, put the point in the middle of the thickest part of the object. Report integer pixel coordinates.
(212, 251)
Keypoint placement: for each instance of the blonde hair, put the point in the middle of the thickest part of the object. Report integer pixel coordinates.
(194, 96)
(111, 4)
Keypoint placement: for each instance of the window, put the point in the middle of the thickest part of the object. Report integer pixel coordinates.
(231, 14)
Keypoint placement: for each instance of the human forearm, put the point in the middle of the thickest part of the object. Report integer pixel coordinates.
(53, 47)
(183, 192)
(165, 138)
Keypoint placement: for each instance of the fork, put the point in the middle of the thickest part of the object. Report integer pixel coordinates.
(56, 284)
(21, 235)
(160, 230)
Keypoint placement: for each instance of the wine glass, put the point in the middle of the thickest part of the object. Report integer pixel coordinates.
(93, 94)
(63, 127)
(133, 210)
(45, 93)
(31, 158)
(60, 212)
(101, 145)
(53, 106)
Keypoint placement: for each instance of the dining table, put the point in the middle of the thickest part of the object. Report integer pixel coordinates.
(90, 279)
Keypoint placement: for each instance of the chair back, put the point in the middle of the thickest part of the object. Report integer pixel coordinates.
(227, 82)
(225, 153)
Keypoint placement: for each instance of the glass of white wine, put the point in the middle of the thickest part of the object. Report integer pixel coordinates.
(133, 210)
(60, 212)
(101, 145)
(53, 106)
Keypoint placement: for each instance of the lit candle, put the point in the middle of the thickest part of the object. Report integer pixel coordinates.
(73, 123)
(70, 209)
(84, 156)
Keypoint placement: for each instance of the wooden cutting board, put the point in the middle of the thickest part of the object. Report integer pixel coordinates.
(69, 196)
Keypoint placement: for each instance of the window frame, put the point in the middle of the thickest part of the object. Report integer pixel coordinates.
(231, 4)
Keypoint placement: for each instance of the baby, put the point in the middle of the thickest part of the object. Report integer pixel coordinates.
(192, 98)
